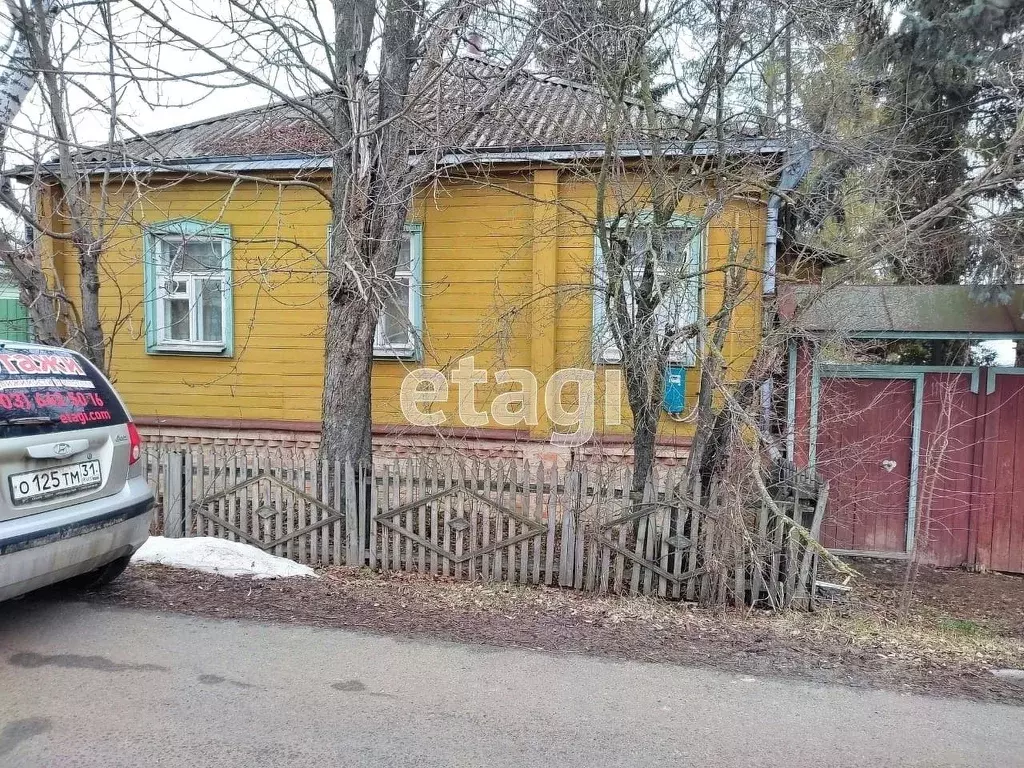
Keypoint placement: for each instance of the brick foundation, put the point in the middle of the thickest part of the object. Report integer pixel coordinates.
(393, 443)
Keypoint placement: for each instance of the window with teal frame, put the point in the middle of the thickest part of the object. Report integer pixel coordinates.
(399, 332)
(189, 309)
(681, 274)
(400, 325)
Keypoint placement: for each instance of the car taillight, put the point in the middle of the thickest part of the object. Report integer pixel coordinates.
(135, 444)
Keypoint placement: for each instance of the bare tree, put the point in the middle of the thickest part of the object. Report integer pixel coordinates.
(679, 144)
(665, 172)
(383, 88)
(34, 54)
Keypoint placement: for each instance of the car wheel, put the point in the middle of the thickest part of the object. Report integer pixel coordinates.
(101, 576)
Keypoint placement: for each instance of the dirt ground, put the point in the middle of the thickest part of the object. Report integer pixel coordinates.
(962, 625)
(992, 601)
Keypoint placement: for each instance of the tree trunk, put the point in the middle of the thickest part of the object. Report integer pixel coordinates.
(715, 451)
(348, 361)
(43, 315)
(642, 387)
(92, 327)
(17, 76)
(42, 304)
(17, 72)
(28, 57)
(949, 352)
(644, 439)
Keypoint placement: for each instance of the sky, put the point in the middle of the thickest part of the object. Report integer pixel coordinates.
(152, 99)
(1006, 351)
(175, 82)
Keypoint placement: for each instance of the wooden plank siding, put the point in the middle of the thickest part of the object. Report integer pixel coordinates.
(489, 247)
(952, 436)
(862, 425)
(575, 263)
(1004, 537)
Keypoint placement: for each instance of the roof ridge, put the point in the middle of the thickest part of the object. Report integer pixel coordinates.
(584, 87)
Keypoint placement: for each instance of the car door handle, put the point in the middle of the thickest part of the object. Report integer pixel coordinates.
(61, 450)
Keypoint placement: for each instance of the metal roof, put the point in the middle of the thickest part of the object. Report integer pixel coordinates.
(929, 310)
(535, 116)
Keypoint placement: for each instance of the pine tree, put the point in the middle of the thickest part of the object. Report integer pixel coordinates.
(946, 110)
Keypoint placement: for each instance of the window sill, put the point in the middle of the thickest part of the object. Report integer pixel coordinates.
(189, 350)
(396, 355)
(686, 363)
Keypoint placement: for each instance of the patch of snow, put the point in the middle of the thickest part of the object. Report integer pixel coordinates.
(219, 556)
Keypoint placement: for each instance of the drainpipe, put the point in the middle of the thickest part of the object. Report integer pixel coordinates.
(798, 162)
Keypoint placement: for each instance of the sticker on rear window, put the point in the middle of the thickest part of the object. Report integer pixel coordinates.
(47, 391)
(17, 363)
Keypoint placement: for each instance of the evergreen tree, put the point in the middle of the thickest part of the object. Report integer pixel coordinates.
(949, 112)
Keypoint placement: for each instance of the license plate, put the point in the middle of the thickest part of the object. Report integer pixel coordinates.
(58, 481)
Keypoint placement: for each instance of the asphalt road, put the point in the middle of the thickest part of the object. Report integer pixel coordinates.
(88, 686)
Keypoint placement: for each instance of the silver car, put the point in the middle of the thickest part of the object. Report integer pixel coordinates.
(73, 500)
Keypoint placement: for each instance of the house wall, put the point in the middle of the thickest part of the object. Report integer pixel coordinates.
(506, 262)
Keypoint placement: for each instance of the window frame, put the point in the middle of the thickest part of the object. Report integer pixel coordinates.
(10, 304)
(608, 353)
(414, 351)
(154, 234)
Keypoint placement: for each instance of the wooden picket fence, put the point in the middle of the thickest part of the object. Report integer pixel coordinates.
(518, 522)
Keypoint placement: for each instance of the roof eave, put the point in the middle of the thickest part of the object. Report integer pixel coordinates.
(902, 312)
(488, 156)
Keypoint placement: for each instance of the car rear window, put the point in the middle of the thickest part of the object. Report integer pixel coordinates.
(53, 391)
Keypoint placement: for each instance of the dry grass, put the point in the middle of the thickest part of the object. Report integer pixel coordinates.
(868, 623)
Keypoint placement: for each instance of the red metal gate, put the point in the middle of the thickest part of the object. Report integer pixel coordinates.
(920, 457)
(864, 449)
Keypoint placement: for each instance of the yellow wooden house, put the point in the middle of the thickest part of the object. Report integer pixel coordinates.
(214, 287)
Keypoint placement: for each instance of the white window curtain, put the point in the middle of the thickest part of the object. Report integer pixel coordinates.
(191, 290)
(679, 271)
(188, 299)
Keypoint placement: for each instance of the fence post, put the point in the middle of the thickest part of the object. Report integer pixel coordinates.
(570, 514)
(352, 559)
(174, 496)
(806, 585)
